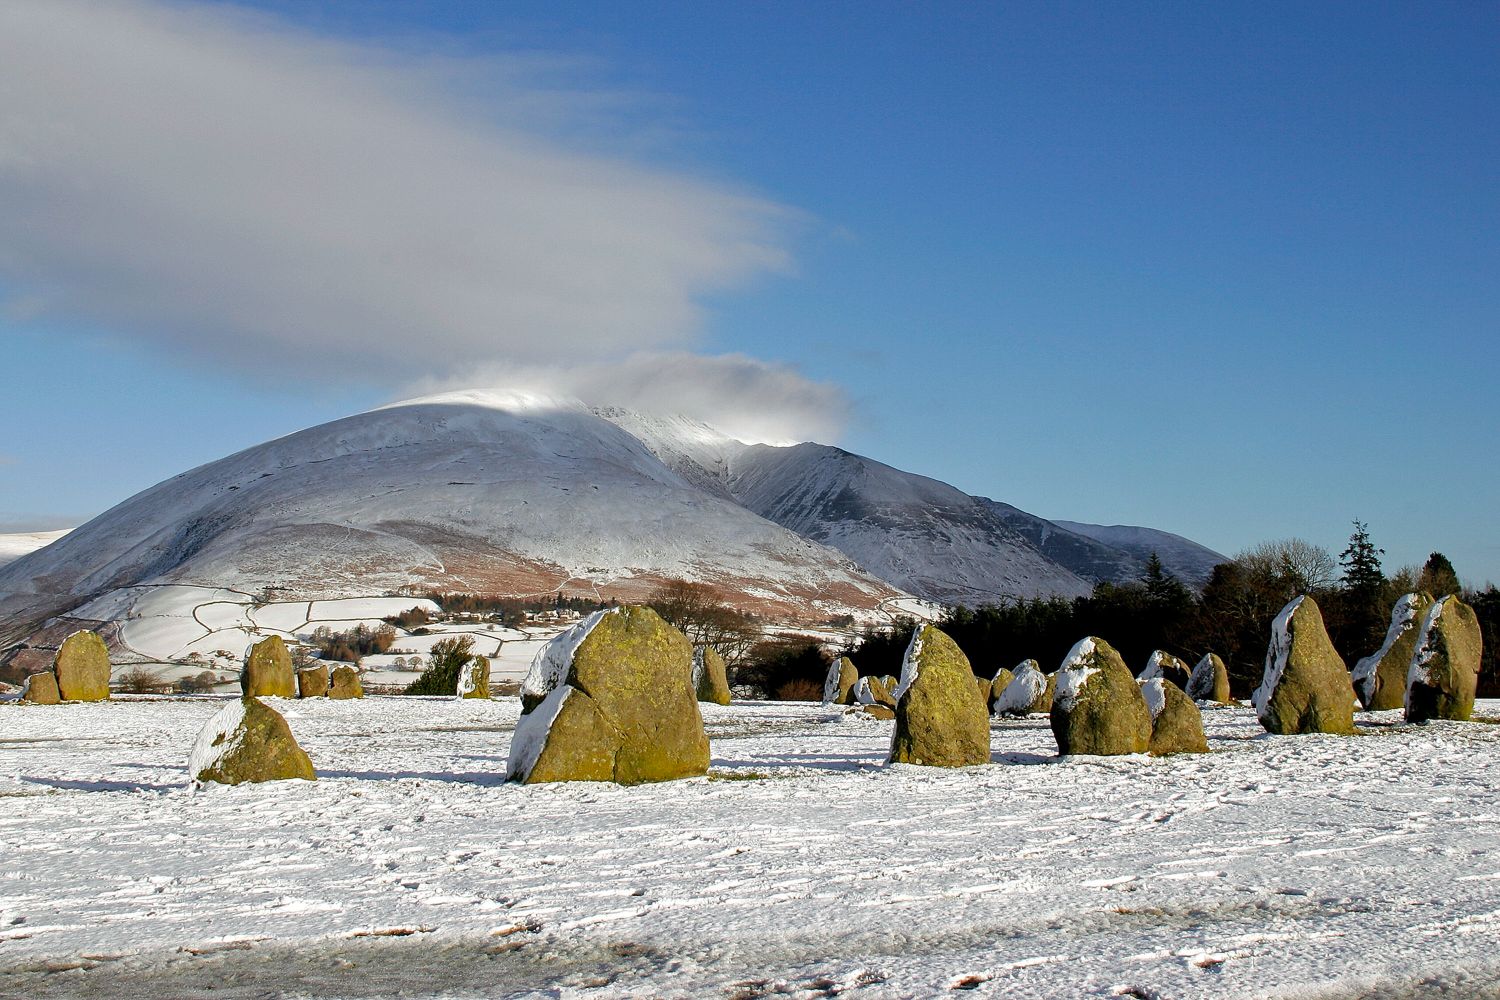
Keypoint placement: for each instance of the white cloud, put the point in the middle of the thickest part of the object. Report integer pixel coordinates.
(746, 398)
(227, 186)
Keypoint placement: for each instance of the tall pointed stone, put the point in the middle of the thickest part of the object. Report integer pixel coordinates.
(1306, 687)
(1380, 678)
(1210, 681)
(940, 717)
(1098, 708)
(838, 686)
(710, 678)
(268, 670)
(1444, 671)
(82, 668)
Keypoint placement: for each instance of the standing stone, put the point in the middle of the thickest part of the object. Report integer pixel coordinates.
(312, 682)
(268, 670)
(983, 686)
(612, 700)
(1098, 708)
(890, 683)
(474, 679)
(248, 741)
(1168, 667)
(1210, 681)
(1444, 671)
(1028, 692)
(998, 683)
(1380, 679)
(344, 683)
(710, 678)
(871, 690)
(82, 668)
(940, 716)
(1176, 723)
(838, 686)
(1306, 687)
(840, 681)
(41, 689)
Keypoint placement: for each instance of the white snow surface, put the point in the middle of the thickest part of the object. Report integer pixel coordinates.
(1262, 870)
(215, 741)
(1277, 652)
(1077, 667)
(1419, 671)
(15, 544)
(1403, 617)
(1154, 693)
(1026, 685)
(911, 664)
(549, 669)
(1153, 666)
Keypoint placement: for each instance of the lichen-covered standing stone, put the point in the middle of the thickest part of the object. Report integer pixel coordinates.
(41, 689)
(611, 699)
(1029, 691)
(268, 670)
(872, 690)
(312, 682)
(838, 686)
(1380, 678)
(1168, 667)
(1306, 687)
(474, 679)
(1176, 723)
(710, 678)
(82, 668)
(344, 683)
(1097, 707)
(1444, 671)
(1210, 681)
(940, 716)
(998, 683)
(245, 742)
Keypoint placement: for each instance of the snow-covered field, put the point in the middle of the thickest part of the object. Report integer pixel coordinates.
(1274, 867)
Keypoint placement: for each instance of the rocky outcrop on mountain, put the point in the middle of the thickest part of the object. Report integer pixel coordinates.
(940, 716)
(1098, 708)
(1306, 687)
(1444, 671)
(616, 704)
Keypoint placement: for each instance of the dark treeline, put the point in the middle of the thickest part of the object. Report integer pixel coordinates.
(510, 610)
(1231, 616)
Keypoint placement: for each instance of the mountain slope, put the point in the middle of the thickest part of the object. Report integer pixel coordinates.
(1182, 557)
(466, 491)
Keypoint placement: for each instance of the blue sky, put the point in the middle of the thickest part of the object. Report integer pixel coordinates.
(1228, 270)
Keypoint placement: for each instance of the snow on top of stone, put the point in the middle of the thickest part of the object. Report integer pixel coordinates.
(1155, 693)
(700, 664)
(1403, 617)
(909, 663)
(862, 692)
(1153, 666)
(532, 730)
(1026, 685)
(549, 668)
(830, 683)
(1276, 655)
(468, 677)
(217, 739)
(1419, 671)
(1077, 668)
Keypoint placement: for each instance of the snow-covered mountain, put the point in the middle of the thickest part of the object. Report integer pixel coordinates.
(1184, 558)
(14, 545)
(523, 495)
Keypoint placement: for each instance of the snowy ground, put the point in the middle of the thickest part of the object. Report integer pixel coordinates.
(1273, 867)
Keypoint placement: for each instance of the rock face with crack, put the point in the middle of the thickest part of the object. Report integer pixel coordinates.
(1380, 678)
(1306, 687)
(41, 689)
(344, 683)
(1444, 671)
(268, 671)
(82, 668)
(611, 699)
(1028, 691)
(710, 678)
(1176, 723)
(248, 741)
(1098, 708)
(940, 716)
(1210, 681)
(312, 682)
(838, 686)
(474, 679)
